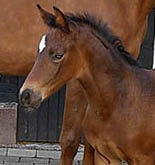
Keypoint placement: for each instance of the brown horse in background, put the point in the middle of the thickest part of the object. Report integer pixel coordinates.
(16, 29)
(127, 19)
(119, 124)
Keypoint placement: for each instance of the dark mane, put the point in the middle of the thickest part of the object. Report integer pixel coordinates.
(103, 30)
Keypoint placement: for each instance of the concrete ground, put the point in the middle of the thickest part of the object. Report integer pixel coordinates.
(34, 154)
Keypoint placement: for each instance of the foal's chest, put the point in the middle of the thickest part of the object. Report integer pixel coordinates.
(116, 141)
(100, 137)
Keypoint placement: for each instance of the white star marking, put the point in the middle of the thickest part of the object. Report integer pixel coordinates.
(42, 43)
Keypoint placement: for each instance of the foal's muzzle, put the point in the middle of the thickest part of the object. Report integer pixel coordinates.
(30, 99)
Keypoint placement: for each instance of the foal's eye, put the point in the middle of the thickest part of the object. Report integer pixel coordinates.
(58, 56)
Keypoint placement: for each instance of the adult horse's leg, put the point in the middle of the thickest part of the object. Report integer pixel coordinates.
(75, 108)
(88, 158)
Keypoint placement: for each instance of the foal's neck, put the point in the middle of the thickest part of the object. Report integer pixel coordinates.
(101, 73)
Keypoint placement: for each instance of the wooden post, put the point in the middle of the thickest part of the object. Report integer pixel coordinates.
(8, 123)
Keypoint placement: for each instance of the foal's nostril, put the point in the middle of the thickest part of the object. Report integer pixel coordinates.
(25, 97)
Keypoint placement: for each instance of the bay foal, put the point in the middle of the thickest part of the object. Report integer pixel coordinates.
(119, 123)
(127, 19)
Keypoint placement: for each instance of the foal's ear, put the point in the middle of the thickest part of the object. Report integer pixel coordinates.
(61, 20)
(48, 18)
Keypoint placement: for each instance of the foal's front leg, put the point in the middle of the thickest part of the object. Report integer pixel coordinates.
(75, 108)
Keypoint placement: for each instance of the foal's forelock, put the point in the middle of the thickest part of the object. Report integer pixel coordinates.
(42, 44)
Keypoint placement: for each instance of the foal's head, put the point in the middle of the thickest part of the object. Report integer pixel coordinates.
(63, 54)
(57, 60)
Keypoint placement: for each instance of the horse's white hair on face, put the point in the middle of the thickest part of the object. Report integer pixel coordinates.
(42, 43)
